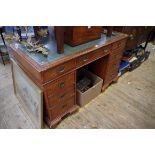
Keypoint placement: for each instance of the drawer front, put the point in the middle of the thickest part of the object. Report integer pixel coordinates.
(61, 84)
(101, 52)
(113, 67)
(61, 97)
(58, 70)
(85, 59)
(111, 75)
(117, 54)
(112, 70)
(62, 108)
(119, 44)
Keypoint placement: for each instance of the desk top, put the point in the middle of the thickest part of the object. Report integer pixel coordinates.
(53, 56)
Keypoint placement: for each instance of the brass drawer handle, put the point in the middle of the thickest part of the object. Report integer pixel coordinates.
(119, 44)
(85, 59)
(64, 106)
(61, 69)
(62, 84)
(106, 50)
(113, 65)
(131, 37)
(63, 95)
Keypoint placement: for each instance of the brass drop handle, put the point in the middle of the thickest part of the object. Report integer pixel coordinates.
(61, 96)
(85, 59)
(62, 84)
(119, 44)
(64, 106)
(106, 50)
(114, 64)
(61, 69)
(131, 37)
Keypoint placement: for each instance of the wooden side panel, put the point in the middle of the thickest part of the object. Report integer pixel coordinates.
(28, 68)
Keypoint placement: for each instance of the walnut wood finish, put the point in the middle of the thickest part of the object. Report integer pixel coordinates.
(58, 78)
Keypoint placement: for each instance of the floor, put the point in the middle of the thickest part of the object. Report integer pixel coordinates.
(129, 103)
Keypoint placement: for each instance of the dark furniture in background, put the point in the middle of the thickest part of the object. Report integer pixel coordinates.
(109, 30)
(137, 35)
(76, 35)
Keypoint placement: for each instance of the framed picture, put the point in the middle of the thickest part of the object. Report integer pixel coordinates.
(30, 96)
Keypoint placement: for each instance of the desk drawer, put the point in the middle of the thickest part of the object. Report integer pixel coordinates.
(56, 99)
(85, 59)
(111, 75)
(61, 84)
(58, 70)
(113, 66)
(119, 44)
(117, 56)
(101, 52)
(62, 108)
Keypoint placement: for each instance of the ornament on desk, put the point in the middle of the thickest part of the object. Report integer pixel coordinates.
(26, 30)
(43, 33)
(36, 47)
(16, 37)
(18, 30)
(8, 37)
(29, 40)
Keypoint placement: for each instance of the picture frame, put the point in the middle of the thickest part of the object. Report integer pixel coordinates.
(30, 96)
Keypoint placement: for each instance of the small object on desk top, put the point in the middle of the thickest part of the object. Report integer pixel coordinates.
(16, 37)
(42, 33)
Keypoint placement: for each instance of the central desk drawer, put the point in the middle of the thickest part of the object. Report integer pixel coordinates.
(58, 70)
(62, 108)
(61, 97)
(101, 52)
(94, 55)
(61, 84)
(85, 59)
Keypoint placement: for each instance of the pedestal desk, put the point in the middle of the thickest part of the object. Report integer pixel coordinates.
(56, 74)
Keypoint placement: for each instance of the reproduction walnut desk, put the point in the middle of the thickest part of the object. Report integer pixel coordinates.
(56, 74)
